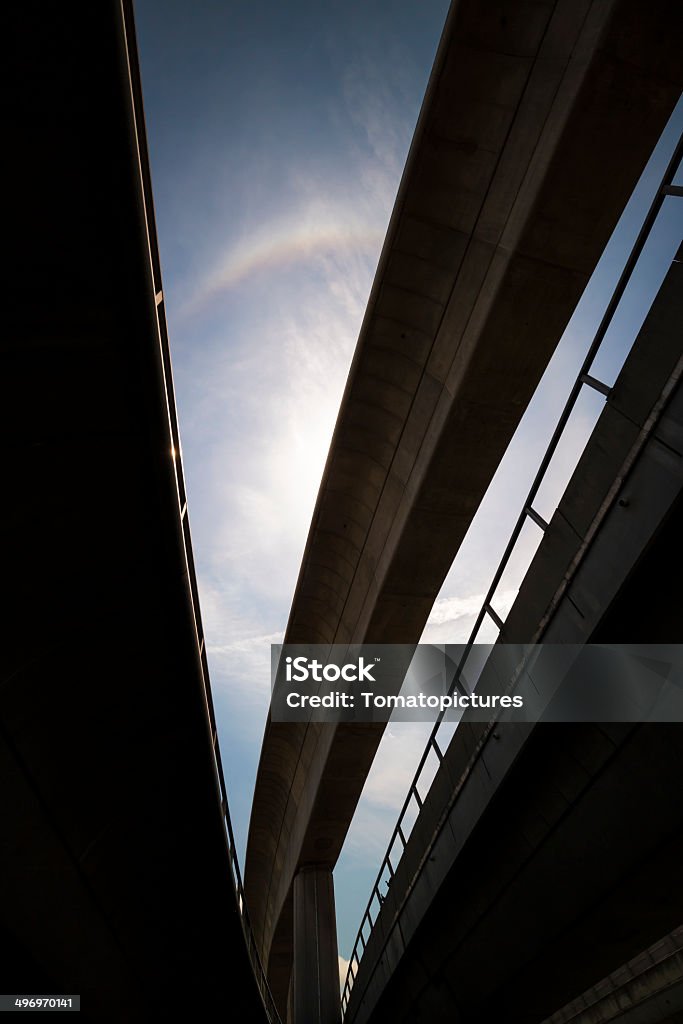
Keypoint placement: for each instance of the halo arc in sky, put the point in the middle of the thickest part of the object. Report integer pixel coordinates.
(283, 245)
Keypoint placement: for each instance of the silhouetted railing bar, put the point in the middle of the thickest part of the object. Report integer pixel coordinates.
(493, 614)
(666, 188)
(532, 514)
(596, 384)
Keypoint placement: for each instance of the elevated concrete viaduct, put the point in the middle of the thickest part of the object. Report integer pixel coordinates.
(647, 988)
(116, 858)
(118, 873)
(546, 856)
(538, 119)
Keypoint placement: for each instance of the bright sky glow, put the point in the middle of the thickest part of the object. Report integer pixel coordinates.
(277, 138)
(278, 133)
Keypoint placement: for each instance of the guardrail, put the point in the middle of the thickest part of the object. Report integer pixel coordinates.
(148, 208)
(412, 805)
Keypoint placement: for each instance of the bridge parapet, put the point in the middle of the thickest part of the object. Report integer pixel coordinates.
(643, 408)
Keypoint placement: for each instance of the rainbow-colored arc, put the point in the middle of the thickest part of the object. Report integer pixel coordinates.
(283, 246)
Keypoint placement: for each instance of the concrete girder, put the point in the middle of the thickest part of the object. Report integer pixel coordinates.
(537, 122)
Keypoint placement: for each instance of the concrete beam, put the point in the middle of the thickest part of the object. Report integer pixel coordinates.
(315, 977)
(569, 835)
(115, 874)
(646, 990)
(537, 122)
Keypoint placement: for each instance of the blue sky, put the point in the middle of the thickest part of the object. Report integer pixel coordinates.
(277, 136)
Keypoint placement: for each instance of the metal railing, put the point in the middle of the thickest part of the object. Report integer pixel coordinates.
(176, 460)
(401, 832)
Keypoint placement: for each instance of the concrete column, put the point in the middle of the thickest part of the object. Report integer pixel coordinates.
(316, 969)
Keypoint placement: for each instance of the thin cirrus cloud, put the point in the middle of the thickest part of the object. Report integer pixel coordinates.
(262, 427)
(300, 239)
(293, 284)
(317, 205)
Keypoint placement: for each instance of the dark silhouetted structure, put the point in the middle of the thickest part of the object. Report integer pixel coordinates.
(539, 118)
(116, 879)
(118, 874)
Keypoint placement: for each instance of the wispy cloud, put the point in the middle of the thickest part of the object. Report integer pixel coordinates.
(305, 236)
(384, 112)
(452, 617)
(292, 284)
(246, 662)
(385, 790)
(343, 968)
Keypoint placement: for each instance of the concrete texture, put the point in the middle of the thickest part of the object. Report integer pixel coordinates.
(315, 980)
(538, 119)
(646, 990)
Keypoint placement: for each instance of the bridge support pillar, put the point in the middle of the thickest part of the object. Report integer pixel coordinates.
(316, 967)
